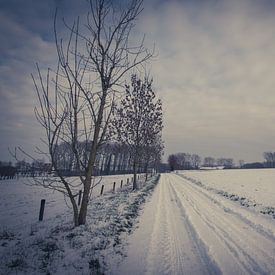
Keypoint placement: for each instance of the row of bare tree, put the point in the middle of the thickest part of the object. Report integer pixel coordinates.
(7, 170)
(180, 161)
(269, 158)
(112, 158)
(84, 103)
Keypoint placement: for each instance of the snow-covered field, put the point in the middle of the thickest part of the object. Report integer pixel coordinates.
(251, 187)
(53, 246)
(19, 202)
(196, 222)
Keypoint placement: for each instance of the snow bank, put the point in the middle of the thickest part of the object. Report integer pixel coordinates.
(251, 188)
(54, 246)
(20, 199)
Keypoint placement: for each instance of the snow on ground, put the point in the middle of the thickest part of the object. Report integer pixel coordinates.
(249, 187)
(53, 246)
(19, 202)
(188, 226)
(187, 229)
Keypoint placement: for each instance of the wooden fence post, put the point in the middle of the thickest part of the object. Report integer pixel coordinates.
(79, 196)
(42, 207)
(102, 188)
(114, 187)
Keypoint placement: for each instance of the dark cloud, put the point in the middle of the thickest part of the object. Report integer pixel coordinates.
(214, 71)
(32, 15)
(215, 74)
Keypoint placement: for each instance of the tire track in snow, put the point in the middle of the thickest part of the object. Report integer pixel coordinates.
(153, 260)
(174, 247)
(237, 247)
(208, 264)
(252, 219)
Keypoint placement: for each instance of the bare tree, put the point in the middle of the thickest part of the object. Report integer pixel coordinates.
(195, 161)
(209, 162)
(241, 163)
(269, 159)
(152, 151)
(226, 162)
(184, 161)
(173, 162)
(76, 100)
(138, 119)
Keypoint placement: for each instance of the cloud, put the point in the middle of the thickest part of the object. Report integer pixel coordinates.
(215, 73)
(20, 50)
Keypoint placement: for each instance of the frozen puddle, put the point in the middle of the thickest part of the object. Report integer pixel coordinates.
(183, 230)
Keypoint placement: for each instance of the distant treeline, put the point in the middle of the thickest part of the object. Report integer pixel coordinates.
(188, 161)
(112, 158)
(23, 168)
(269, 162)
(7, 170)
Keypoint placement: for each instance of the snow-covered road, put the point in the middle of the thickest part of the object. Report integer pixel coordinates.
(186, 229)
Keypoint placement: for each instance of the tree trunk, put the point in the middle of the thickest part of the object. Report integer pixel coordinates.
(88, 181)
(115, 163)
(108, 167)
(76, 221)
(102, 164)
(135, 173)
(87, 187)
(146, 170)
(119, 163)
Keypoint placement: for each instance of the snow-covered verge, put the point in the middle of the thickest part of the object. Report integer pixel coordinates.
(20, 199)
(55, 247)
(253, 188)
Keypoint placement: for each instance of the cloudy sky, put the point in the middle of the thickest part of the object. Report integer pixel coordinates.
(215, 72)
